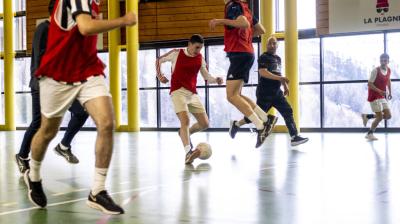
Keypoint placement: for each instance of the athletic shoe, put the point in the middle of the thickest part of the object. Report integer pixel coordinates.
(298, 140)
(35, 191)
(364, 119)
(67, 154)
(103, 202)
(190, 141)
(371, 137)
(191, 156)
(262, 135)
(271, 123)
(233, 129)
(23, 164)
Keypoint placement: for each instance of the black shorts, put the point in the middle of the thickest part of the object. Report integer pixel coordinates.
(240, 66)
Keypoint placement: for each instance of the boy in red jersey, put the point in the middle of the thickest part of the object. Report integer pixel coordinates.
(186, 64)
(378, 83)
(240, 27)
(69, 70)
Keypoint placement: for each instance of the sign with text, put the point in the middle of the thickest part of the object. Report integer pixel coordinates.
(363, 15)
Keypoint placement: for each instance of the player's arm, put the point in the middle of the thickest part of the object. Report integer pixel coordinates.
(268, 75)
(88, 26)
(258, 30)
(207, 76)
(390, 89)
(239, 22)
(285, 89)
(167, 57)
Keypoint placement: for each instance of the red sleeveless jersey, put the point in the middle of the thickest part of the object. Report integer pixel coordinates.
(239, 39)
(380, 82)
(70, 56)
(185, 73)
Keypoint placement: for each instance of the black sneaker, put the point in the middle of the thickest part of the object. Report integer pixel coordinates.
(191, 156)
(271, 123)
(261, 135)
(233, 129)
(298, 140)
(67, 154)
(103, 202)
(190, 140)
(23, 164)
(35, 191)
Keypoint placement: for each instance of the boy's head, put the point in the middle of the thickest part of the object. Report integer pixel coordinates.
(196, 43)
(272, 44)
(384, 58)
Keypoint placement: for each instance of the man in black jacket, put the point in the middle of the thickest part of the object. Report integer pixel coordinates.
(78, 114)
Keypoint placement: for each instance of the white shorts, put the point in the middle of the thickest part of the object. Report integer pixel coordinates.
(379, 105)
(184, 100)
(56, 98)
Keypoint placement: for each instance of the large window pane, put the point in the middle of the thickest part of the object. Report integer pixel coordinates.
(22, 74)
(168, 116)
(23, 109)
(20, 33)
(310, 105)
(306, 14)
(393, 46)
(147, 68)
(148, 108)
(394, 105)
(344, 103)
(309, 66)
(351, 57)
(19, 5)
(221, 111)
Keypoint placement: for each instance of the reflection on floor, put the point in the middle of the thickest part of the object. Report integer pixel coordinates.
(334, 178)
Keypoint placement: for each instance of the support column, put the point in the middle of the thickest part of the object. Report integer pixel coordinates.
(114, 40)
(9, 93)
(267, 18)
(132, 43)
(291, 56)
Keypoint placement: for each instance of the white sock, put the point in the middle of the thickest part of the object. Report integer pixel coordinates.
(187, 149)
(99, 183)
(256, 121)
(261, 114)
(63, 147)
(34, 171)
(238, 124)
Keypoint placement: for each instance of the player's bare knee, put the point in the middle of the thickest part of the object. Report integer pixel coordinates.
(105, 126)
(387, 116)
(204, 125)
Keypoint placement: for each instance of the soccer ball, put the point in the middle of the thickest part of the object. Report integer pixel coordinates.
(205, 150)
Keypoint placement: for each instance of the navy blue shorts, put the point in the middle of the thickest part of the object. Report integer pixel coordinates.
(240, 66)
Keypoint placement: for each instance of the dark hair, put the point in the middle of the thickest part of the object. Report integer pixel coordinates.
(384, 55)
(51, 6)
(197, 38)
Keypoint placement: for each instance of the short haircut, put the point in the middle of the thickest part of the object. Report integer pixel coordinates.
(51, 6)
(272, 38)
(384, 55)
(196, 38)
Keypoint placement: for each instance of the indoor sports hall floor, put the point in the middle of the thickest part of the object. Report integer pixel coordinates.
(335, 178)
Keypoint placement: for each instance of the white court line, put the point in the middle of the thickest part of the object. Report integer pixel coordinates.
(9, 204)
(85, 198)
(76, 190)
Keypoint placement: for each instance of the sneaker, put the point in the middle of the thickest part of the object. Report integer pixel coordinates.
(67, 154)
(371, 137)
(35, 191)
(233, 129)
(23, 164)
(271, 123)
(261, 135)
(191, 156)
(190, 140)
(103, 202)
(298, 140)
(364, 119)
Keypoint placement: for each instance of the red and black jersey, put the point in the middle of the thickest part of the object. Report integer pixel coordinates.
(71, 57)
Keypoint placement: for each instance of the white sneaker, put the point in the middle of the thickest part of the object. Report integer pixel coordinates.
(364, 119)
(371, 137)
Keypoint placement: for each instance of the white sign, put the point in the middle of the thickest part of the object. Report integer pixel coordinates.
(363, 15)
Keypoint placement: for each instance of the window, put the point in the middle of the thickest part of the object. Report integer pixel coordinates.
(310, 116)
(342, 62)
(306, 14)
(309, 60)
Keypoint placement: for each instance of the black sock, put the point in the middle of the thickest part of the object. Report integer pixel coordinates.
(370, 131)
(370, 116)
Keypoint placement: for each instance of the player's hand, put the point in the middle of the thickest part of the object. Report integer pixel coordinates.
(389, 97)
(220, 81)
(286, 92)
(213, 23)
(383, 93)
(284, 80)
(163, 79)
(130, 19)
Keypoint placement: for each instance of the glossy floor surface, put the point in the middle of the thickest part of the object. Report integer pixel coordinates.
(335, 178)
